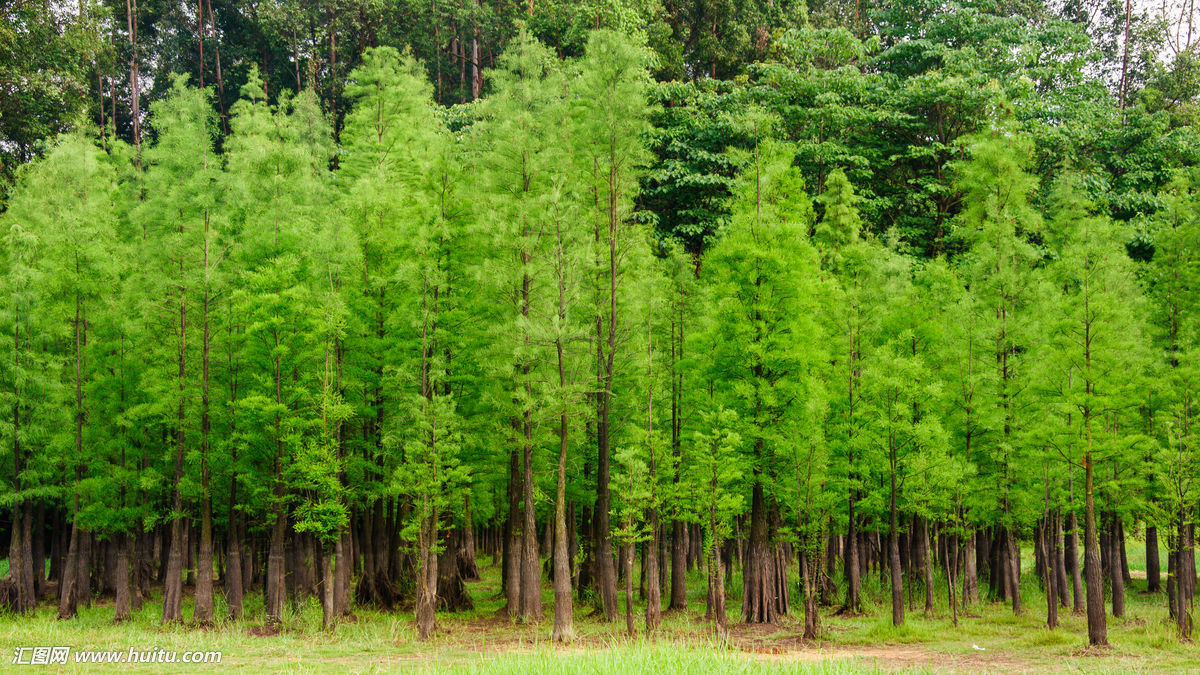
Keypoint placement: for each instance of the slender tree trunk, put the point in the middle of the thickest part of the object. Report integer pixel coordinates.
(651, 562)
(203, 611)
(1182, 594)
(427, 573)
(1153, 574)
(233, 562)
(512, 539)
(68, 603)
(275, 591)
(328, 610)
(1116, 573)
(853, 604)
(1051, 571)
(564, 630)
(531, 577)
(121, 602)
(928, 566)
(970, 572)
(894, 554)
(343, 572)
(678, 566)
(1097, 631)
(628, 568)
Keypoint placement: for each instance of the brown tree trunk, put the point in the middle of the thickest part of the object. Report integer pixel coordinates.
(564, 630)
(628, 573)
(20, 555)
(328, 611)
(427, 573)
(678, 566)
(1013, 558)
(275, 590)
(928, 566)
(531, 577)
(343, 572)
(897, 584)
(1051, 572)
(68, 602)
(760, 603)
(468, 567)
(853, 604)
(1116, 571)
(1153, 573)
(512, 540)
(1097, 631)
(234, 589)
(970, 572)
(121, 601)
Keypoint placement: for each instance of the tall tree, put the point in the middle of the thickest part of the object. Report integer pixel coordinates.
(608, 119)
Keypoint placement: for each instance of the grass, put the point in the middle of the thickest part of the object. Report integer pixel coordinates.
(989, 638)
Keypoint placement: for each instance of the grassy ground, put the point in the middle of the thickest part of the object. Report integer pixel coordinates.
(989, 638)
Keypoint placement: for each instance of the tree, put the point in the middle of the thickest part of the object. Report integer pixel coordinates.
(608, 118)
(527, 175)
(61, 230)
(180, 208)
(996, 223)
(765, 347)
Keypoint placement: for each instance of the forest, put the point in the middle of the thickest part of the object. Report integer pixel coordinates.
(601, 318)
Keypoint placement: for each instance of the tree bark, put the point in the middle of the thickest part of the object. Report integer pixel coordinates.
(760, 601)
(121, 600)
(564, 630)
(512, 540)
(1153, 573)
(531, 577)
(1097, 631)
(1116, 571)
(970, 572)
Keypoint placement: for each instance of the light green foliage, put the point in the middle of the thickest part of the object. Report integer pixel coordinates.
(714, 474)
(999, 269)
(763, 344)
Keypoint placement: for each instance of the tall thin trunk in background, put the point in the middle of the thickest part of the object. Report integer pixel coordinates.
(203, 611)
(564, 630)
(653, 591)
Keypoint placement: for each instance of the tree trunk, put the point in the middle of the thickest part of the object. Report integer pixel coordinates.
(1014, 570)
(468, 568)
(328, 611)
(650, 571)
(853, 604)
(275, 591)
(121, 601)
(427, 574)
(1097, 631)
(894, 556)
(68, 602)
(512, 540)
(1116, 570)
(343, 572)
(678, 567)
(1051, 569)
(531, 577)
(1153, 574)
(928, 566)
(760, 603)
(970, 572)
(629, 553)
(606, 574)
(21, 557)
(564, 630)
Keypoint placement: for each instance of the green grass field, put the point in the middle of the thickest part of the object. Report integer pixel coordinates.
(989, 638)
